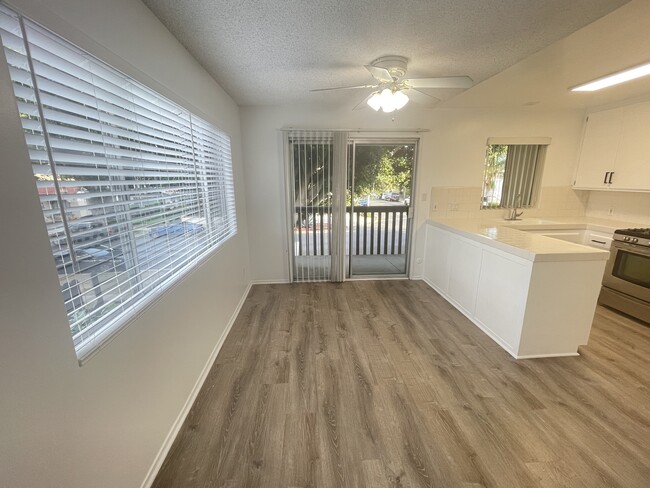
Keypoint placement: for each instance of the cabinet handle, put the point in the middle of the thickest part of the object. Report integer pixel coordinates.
(606, 175)
(598, 242)
(610, 178)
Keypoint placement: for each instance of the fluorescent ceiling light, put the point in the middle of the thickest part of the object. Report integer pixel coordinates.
(615, 79)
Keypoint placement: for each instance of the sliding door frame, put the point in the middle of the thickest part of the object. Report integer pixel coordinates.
(352, 141)
(384, 141)
(289, 205)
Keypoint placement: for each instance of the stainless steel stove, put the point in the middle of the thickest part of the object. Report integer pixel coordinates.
(640, 236)
(626, 284)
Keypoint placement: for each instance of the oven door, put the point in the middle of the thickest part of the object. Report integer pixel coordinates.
(628, 270)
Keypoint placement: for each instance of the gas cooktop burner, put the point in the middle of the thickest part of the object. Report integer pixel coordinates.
(640, 232)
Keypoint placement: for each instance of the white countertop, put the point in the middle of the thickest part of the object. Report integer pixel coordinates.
(513, 238)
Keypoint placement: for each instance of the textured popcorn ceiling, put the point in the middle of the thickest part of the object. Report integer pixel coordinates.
(271, 52)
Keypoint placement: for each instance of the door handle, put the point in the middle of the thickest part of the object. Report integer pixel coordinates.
(610, 178)
(606, 175)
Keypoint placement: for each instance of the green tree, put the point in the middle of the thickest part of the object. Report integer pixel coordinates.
(378, 168)
(382, 168)
(495, 164)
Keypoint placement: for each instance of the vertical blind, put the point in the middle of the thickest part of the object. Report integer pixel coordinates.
(339, 204)
(134, 189)
(317, 163)
(310, 162)
(310, 155)
(519, 177)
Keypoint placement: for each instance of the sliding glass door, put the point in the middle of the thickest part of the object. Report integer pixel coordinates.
(349, 205)
(380, 185)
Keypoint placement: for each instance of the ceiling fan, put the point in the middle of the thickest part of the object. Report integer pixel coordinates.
(392, 90)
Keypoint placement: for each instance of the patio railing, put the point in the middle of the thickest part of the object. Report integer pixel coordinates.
(376, 230)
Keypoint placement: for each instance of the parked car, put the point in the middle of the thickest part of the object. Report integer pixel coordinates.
(88, 231)
(101, 251)
(363, 202)
(395, 196)
(407, 201)
(174, 230)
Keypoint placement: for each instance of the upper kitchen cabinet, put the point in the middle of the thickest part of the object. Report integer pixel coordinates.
(599, 149)
(615, 151)
(634, 149)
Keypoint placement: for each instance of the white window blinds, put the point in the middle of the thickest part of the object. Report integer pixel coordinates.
(512, 174)
(134, 189)
(520, 171)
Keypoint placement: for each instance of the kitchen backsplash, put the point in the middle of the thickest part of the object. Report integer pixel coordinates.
(624, 206)
(464, 202)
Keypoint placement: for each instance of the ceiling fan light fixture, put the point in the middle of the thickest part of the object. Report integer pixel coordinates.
(400, 98)
(388, 100)
(390, 85)
(375, 101)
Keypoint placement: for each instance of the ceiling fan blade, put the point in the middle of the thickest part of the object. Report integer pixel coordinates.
(343, 88)
(420, 97)
(440, 82)
(382, 75)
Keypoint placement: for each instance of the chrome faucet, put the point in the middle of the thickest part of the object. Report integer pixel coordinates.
(514, 215)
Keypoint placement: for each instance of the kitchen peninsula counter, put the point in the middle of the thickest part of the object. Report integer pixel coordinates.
(534, 295)
(515, 238)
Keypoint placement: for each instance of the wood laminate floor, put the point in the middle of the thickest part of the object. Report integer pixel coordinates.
(384, 384)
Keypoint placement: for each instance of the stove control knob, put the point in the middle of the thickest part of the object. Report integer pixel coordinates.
(627, 239)
(635, 240)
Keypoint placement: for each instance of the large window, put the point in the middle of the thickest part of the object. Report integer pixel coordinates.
(512, 175)
(135, 190)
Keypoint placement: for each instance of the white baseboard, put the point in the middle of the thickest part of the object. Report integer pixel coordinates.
(270, 282)
(486, 330)
(431, 285)
(539, 356)
(180, 419)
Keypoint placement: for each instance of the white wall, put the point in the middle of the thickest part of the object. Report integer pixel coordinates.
(102, 424)
(452, 154)
(633, 207)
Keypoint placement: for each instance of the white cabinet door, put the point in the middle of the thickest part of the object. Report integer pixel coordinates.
(501, 300)
(465, 261)
(436, 264)
(599, 149)
(632, 171)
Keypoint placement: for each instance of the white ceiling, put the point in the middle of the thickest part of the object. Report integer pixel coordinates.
(617, 41)
(272, 52)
